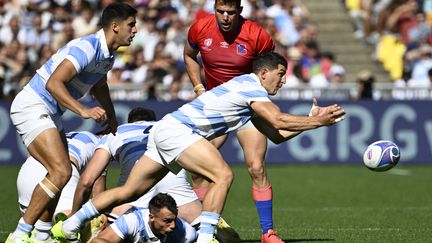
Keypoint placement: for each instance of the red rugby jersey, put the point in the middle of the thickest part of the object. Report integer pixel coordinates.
(226, 56)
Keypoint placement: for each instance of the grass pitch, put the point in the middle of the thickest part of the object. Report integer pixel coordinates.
(311, 203)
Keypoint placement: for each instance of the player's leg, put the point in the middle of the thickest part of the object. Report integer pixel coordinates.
(30, 174)
(200, 184)
(49, 149)
(39, 130)
(203, 158)
(143, 176)
(254, 145)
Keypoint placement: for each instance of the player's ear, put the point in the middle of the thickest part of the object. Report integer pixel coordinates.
(151, 217)
(115, 26)
(263, 73)
(241, 9)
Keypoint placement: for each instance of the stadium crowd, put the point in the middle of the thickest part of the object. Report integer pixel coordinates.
(32, 30)
(400, 32)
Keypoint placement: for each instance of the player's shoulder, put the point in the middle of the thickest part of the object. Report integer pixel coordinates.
(204, 22)
(252, 27)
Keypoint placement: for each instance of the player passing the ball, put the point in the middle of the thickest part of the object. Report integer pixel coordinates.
(181, 140)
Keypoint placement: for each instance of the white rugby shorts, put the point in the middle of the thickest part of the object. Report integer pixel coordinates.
(31, 116)
(175, 185)
(167, 140)
(31, 173)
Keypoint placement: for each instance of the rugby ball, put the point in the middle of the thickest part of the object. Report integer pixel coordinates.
(381, 155)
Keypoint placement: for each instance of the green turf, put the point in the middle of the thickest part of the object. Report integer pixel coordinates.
(313, 204)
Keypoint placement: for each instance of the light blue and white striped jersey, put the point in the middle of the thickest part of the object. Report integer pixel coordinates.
(224, 108)
(127, 146)
(134, 227)
(81, 146)
(92, 61)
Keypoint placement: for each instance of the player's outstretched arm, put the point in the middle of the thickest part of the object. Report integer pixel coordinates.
(92, 172)
(296, 123)
(275, 135)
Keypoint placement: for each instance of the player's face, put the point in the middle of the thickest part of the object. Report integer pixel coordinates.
(274, 79)
(227, 15)
(163, 222)
(126, 31)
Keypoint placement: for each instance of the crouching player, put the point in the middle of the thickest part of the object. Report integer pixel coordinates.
(126, 147)
(157, 223)
(81, 146)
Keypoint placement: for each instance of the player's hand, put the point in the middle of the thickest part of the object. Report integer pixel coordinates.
(200, 92)
(317, 110)
(330, 115)
(96, 113)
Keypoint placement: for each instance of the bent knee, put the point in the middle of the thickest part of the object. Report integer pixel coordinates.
(225, 177)
(256, 170)
(60, 176)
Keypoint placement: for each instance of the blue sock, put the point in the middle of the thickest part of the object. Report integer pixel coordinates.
(265, 209)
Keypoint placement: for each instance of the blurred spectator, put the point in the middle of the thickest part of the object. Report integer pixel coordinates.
(16, 68)
(86, 22)
(365, 82)
(294, 75)
(36, 36)
(10, 30)
(315, 66)
(337, 75)
(356, 13)
(421, 59)
(60, 39)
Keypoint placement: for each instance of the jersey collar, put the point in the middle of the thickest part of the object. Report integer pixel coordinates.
(101, 35)
(255, 77)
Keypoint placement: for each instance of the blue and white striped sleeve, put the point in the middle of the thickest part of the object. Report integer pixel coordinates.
(80, 53)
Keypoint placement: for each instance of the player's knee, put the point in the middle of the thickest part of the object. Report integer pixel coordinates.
(225, 177)
(256, 170)
(60, 176)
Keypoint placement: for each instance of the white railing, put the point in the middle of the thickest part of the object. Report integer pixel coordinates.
(346, 91)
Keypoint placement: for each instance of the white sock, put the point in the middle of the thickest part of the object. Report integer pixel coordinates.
(42, 230)
(207, 226)
(22, 228)
(86, 213)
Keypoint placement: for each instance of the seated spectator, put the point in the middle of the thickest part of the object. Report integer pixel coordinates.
(337, 75)
(294, 71)
(365, 82)
(422, 63)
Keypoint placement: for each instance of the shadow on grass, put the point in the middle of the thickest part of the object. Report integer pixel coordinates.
(295, 240)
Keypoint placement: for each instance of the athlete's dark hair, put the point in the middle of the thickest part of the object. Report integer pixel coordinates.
(269, 60)
(162, 200)
(237, 2)
(141, 114)
(116, 11)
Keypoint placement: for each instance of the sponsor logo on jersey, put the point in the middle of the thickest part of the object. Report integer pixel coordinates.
(207, 44)
(241, 49)
(223, 44)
